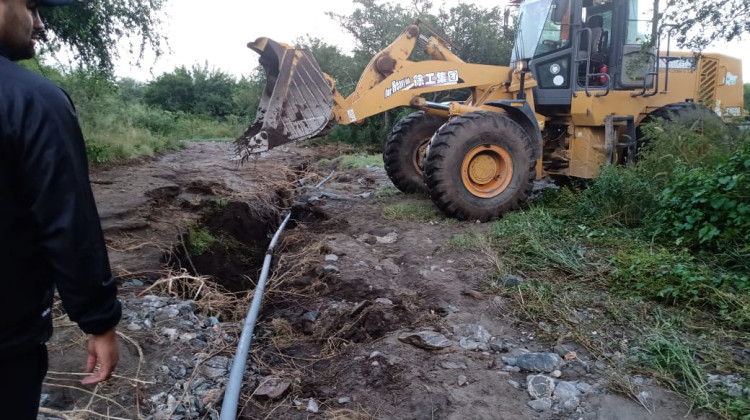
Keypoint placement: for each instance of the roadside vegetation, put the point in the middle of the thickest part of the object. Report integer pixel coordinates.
(647, 267)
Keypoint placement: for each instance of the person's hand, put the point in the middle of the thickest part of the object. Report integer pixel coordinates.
(102, 358)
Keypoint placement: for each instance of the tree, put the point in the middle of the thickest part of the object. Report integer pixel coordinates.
(96, 30)
(701, 22)
(478, 34)
(172, 91)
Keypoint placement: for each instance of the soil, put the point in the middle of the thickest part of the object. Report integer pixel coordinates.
(329, 326)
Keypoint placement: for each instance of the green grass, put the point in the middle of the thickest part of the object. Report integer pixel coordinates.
(360, 161)
(412, 211)
(199, 239)
(597, 261)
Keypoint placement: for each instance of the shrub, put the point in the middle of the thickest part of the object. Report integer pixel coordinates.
(709, 208)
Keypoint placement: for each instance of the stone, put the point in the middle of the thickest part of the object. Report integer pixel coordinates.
(462, 380)
(567, 395)
(390, 267)
(556, 373)
(384, 301)
(540, 386)
(311, 316)
(447, 364)
(331, 257)
(514, 384)
(585, 388)
(331, 268)
(475, 332)
(271, 387)
(498, 346)
(468, 344)
(539, 362)
(513, 280)
(428, 340)
(313, 406)
(344, 400)
(542, 404)
(390, 238)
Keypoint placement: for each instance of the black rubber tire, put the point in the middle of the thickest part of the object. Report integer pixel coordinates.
(403, 154)
(686, 113)
(458, 138)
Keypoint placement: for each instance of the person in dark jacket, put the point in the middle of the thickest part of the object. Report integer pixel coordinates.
(50, 235)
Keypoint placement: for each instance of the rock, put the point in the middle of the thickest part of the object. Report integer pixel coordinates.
(365, 195)
(331, 257)
(462, 380)
(311, 316)
(585, 388)
(542, 404)
(475, 332)
(384, 301)
(539, 362)
(540, 386)
(468, 344)
(390, 267)
(331, 268)
(513, 280)
(133, 326)
(312, 406)
(514, 384)
(344, 400)
(170, 333)
(556, 374)
(390, 238)
(510, 361)
(645, 398)
(271, 387)
(567, 395)
(428, 340)
(447, 364)
(374, 354)
(361, 264)
(514, 369)
(499, 346)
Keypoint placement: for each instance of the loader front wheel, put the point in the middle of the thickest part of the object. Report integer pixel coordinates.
(479, 166)
(404, 151)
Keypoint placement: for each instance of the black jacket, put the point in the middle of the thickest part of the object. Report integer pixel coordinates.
(50, 233)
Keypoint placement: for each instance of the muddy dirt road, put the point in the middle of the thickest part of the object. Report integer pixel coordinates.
(368, 314)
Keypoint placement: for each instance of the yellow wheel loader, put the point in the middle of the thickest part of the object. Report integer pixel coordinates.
(582, 79)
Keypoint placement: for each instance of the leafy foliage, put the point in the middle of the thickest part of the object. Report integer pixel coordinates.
(700, 22)
(709, 207)
(96, 30)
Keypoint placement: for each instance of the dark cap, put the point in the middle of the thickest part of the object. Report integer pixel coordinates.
(54, 2)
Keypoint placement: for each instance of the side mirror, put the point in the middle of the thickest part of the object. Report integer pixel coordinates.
(560, 9)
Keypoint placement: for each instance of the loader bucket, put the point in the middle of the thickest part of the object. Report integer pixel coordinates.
(297, 102)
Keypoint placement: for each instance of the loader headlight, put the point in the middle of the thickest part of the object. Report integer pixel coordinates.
(522, 65)
(554, 68)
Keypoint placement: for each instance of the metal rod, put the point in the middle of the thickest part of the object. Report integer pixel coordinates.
(232, 394)
(437, 105)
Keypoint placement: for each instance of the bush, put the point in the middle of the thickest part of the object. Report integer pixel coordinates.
(709, 208)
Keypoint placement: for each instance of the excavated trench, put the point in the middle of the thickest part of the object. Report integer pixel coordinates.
(227, 242)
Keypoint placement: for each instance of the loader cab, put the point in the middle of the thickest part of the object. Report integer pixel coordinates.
(576, 47)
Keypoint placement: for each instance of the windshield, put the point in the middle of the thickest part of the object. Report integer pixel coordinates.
(543, 26)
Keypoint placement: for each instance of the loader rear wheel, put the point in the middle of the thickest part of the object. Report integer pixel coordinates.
(685, 113)
(479, 166)
(404, 151)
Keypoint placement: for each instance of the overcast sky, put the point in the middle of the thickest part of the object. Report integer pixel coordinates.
(217, 32)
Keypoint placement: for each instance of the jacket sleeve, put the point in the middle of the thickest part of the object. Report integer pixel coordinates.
(56, 186)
